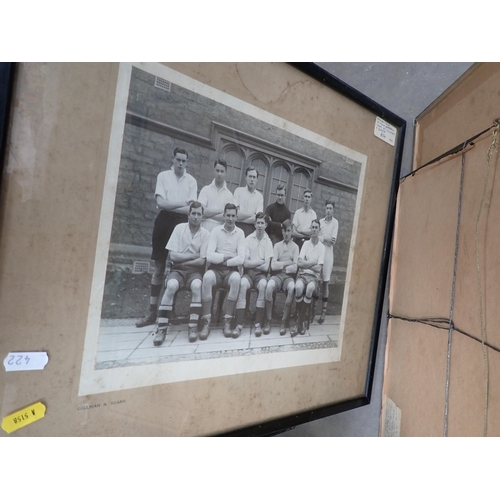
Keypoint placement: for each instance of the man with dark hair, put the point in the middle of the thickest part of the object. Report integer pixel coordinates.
(278, 213)
(283, 270)
(215, 196)
(259, 251)
(310, 264)
(302, 220)
(249, 201)
(327, 236)
(225, 253)
(175, 190)
(187, 250)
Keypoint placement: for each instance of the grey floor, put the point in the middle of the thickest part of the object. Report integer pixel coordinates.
(406, 89)
(122, 344)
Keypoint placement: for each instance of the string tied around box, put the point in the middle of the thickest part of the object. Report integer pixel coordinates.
(448, 324)
(489, 156)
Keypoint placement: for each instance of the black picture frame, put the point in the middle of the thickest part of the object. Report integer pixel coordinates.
(7, 70)
(275, 426)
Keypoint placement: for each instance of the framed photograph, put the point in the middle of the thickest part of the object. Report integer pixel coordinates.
(208, 245)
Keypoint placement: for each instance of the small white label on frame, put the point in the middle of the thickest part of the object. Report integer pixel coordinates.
(23, 361)
(385, 131)
(392, 419)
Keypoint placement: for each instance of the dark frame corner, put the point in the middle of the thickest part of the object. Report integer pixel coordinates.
(7, 73)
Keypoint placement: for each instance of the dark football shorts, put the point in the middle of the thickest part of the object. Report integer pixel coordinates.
(282, 280)
(222, 274)
(164, 227)
(308, 278)
(185, 277)
(254, 276)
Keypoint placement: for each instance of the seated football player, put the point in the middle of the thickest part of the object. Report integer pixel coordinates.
(259, 251)
(225, 254)
(283, 270)
(187, 251)
(310, 264)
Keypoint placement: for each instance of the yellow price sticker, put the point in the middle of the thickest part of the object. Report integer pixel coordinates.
(23, 417)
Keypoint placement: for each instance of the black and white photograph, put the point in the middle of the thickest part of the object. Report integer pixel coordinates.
(225, 241)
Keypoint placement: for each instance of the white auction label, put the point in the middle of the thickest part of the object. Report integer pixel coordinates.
(385, 131)
(392, 420)
(22, 361)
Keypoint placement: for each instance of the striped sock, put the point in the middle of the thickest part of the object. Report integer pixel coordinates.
(164, 314)
(194, 313)
(155, 291)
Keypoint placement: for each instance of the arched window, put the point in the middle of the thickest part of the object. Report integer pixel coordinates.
(235, 160)
(274, 168)
(280, 175)
(300, 181)
(262, 166)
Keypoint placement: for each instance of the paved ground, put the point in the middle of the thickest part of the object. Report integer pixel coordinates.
(122, 344)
